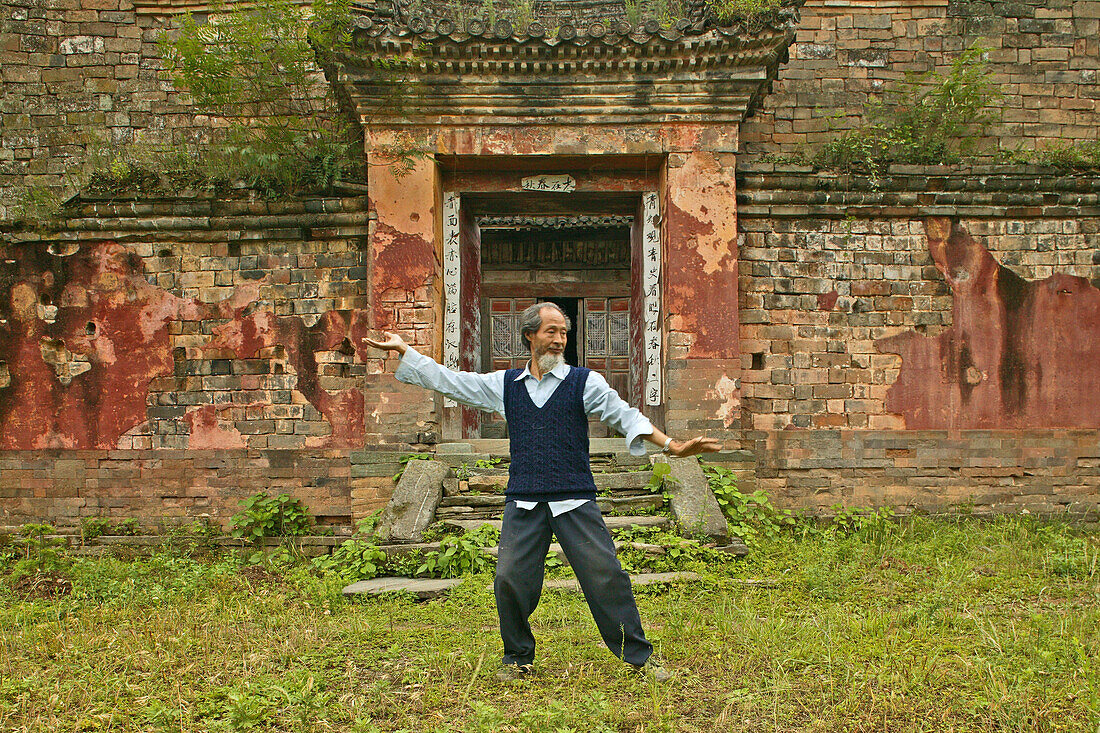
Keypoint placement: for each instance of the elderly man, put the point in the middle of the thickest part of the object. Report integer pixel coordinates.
(550, 484)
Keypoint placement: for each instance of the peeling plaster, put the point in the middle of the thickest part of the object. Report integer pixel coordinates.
(87, 398)
(708, 208)
(80, 377)
(727, 391)
(1019, 353)
(247, 335)
(701, 281)
(207, 432)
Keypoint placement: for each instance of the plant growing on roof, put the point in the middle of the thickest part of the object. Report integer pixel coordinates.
(255, 66)
(926, 119)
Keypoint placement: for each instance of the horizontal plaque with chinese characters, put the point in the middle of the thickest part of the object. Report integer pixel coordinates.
(557, 183)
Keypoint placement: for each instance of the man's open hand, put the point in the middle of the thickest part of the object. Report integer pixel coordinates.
(389, 342)
(694, 447)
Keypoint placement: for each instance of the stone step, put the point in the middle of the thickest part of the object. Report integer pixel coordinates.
(555, 549)
(618, 482)
(606, 503)
(422, 588)
(613, 522)
(427, 588)
(499, 446)
(636, 581)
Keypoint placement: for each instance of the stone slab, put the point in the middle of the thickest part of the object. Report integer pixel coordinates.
(499, 446)
(693, 503)
(422, 588)
(731, 456)
(735, 547)
(473, 500)
(412, 507)
(641, 579)
(622, 480)
(454, 448)
(555, 549)
(613, 523)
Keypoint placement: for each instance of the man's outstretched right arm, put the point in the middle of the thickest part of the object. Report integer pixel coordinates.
(480, 391)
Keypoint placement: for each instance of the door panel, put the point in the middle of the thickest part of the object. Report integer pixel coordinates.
(602, 338)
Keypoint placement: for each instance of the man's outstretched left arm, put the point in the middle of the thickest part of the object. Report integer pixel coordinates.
(605, 404)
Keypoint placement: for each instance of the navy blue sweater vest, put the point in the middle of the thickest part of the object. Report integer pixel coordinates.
(549, 444)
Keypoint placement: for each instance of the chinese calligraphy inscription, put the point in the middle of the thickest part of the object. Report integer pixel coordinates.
(451, 284)
(558, 183)
(651, 303)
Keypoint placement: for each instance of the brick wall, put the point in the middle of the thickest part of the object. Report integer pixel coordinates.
(1045, 57)
(199, 350)
(834, 269)
(85, 75)
(832, 264)
(1045, 472)
(165, 487)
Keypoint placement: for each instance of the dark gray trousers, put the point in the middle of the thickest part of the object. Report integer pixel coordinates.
(524, 542)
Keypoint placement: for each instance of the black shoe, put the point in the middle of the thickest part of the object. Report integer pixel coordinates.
(513, 672)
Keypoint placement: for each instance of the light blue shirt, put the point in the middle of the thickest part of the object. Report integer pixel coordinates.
(486, 392)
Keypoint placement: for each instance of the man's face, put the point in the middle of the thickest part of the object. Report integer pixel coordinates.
(550, 338)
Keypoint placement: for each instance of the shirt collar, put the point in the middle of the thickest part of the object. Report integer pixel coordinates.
(561, 371)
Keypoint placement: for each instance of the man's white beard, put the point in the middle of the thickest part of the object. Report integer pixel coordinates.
(549, 361)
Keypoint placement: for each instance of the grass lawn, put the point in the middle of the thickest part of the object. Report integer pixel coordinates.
(931, 625)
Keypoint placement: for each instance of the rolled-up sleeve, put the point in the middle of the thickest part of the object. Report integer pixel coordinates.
(480, 391)
(605, 404)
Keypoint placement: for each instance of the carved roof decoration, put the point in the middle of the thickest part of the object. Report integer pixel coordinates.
(579, 61)
(576, 22)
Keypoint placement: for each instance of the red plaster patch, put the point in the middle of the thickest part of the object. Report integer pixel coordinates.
(827, 301)
(402, 261)
(206, 433)
(1019, 354)
(245, 335)
(103, 285)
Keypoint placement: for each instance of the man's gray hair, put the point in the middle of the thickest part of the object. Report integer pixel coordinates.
(530, 320)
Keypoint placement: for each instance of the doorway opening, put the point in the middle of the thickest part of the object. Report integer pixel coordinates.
(580, 263)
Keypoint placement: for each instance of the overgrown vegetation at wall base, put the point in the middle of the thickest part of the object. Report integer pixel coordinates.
(966, 626)
(927, 119)
(749, 516)
(270, 516)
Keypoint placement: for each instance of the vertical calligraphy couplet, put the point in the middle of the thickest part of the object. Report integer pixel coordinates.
(452, 274)
(651, 303)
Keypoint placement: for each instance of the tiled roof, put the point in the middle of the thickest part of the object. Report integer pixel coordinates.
(575, 22)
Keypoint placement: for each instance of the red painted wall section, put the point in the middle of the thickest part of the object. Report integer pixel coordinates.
(1019, 354)
(701, 268)
(402, 243)
(342, 331)
(82, 337)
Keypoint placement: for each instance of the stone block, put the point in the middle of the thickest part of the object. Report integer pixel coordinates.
(414, 501)
(421, 588)
(693, 503)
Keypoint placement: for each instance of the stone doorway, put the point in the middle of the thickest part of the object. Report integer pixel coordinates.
(596, 255)
(581, 264)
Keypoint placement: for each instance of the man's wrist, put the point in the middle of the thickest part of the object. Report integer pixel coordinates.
(667, 446)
